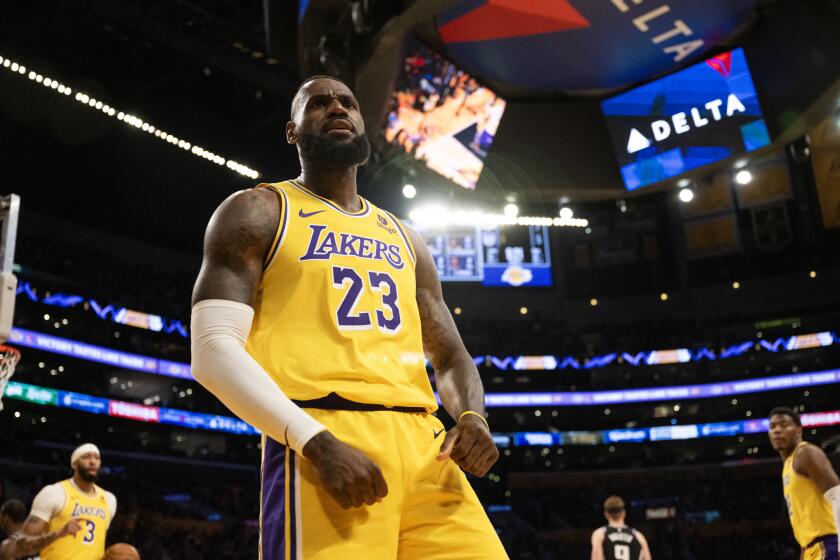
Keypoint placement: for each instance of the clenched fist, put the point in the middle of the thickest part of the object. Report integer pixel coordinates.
(470, 444)
(346, 473)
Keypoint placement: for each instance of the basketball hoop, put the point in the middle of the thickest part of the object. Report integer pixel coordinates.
(9, 358)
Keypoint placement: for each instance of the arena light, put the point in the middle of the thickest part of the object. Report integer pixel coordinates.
(686, 195)
(566, 213)
(743, 177)
(439, 216)
(127, 118)
(409, 191)
(511, 210)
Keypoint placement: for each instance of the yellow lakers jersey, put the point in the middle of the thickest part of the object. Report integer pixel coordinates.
(336, 310)
(93, 515)
(809, 511)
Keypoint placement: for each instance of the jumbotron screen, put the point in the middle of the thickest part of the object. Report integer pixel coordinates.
(498, 256)
(440, 115)
(694, 117)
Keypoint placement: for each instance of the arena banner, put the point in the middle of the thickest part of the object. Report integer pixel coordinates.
(712, 195)
(712, 236)
(826, 164)
(575, 45)
(825, 160)
(771, 227)
(770, 183)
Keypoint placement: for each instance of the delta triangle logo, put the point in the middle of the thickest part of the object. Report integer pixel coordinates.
(637, 142)
(492, 20)
(722, 64)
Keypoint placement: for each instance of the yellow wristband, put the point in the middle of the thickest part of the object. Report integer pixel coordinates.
(481, 416)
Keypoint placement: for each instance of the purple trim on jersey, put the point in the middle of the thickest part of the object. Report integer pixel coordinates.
(408, 244)
(828, 544)
(363, 212)
(284, 219)
(273, 514)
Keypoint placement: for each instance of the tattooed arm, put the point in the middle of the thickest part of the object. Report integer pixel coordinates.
(470, 443)
(33, 539)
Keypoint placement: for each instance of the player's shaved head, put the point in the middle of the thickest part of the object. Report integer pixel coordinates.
(297, 100)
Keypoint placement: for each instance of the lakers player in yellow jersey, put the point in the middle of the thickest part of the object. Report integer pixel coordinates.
(312, 315)
(79, 498)
(810, 485)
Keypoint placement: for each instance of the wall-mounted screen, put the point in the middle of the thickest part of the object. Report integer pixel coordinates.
(697, 116)
(440, 115)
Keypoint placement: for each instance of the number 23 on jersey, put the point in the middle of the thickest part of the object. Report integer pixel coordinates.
(348, 315)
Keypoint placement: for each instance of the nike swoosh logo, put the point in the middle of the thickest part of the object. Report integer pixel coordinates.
(303, 214)
(437, 433)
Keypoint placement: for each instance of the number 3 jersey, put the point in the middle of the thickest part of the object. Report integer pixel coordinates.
(336, 311)
(93, 513)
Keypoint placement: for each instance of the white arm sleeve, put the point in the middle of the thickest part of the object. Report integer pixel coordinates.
(112, 503)
(833, 497)
(221, 364)
(48, 502)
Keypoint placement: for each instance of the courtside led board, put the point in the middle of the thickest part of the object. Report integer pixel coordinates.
(697, 116)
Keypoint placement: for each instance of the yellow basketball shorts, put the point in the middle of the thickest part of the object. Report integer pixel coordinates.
(430, 513)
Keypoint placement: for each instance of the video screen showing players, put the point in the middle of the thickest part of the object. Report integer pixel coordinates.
(499, 256)
(442, 116)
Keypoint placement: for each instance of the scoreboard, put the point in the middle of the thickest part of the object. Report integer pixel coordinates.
(495, 256)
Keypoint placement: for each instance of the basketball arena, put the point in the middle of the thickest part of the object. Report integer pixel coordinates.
(419, 279)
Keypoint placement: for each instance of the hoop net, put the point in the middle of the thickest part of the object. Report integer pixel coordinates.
(9, 358)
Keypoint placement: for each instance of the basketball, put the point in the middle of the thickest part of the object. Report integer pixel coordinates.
(121, 551)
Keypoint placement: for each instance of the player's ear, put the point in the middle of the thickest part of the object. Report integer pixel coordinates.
(291, 133)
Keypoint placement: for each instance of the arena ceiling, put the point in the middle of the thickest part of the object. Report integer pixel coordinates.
(221, 74)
